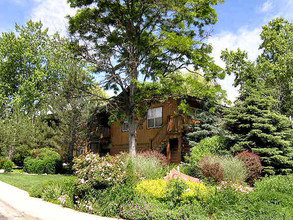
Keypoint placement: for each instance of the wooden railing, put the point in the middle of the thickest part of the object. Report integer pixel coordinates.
(173, 124)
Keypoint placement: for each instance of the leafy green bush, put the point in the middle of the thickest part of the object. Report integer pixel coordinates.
(149, 165)
(44, 160)
(206, 147)
(100, 172)
(6, 164)
(228, 168)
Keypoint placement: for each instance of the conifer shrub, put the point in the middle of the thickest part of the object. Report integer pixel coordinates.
(252, 164)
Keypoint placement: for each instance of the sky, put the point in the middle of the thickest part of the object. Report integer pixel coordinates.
(239, 26)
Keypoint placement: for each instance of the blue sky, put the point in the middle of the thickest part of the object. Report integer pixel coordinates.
(239, 25)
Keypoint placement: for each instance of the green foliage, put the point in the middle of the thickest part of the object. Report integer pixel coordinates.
(151, 50)
(22, 133)
(208, 146)
(149, 166)
(43, 160)
(175, 190)
(152, 188)
(6, 164)
(99, 172)
(209, 125)
(228, 168)
(263, 131)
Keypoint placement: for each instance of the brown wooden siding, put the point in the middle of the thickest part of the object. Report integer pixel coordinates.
(119, 139)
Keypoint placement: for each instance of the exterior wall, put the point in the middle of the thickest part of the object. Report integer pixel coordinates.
(119, 139)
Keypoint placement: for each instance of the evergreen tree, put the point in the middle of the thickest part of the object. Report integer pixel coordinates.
(208, 126)
(261, 130)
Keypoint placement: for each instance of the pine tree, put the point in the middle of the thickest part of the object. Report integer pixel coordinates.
(261, 130)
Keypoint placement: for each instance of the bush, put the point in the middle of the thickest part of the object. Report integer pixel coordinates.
(217, 169)
(212, 170)
(43, 160)
(155, 154)
(100, 172)
(252, 164)
(152, 188)
(6, 164)
(149, 165)
(206, 147)
(60, 192)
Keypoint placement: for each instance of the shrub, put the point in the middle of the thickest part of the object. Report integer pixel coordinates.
(108, 202)
(6, 164)
(155, 154)
(221, 168)
(100, 172)
(61, 192)
(252, 164)
(197, 191)
(175, 190)
(153, 188)
(206, 147)
(44, 160)
(149, 165)
(211, 170)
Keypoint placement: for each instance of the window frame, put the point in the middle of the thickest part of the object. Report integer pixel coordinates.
(122, 126)
(155, 126)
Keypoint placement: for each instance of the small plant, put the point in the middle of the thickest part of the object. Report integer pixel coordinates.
(155, 154)
(175, 190)
(253, 165)
(211, 170)
(153, 188)
(149, 165)
(6, 164)
(228, 168)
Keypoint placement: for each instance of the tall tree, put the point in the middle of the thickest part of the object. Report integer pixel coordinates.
(261, 130)
(273, 67)
(136, 45)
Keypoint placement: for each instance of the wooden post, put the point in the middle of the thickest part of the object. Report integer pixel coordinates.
(180, 148)
(168, 151)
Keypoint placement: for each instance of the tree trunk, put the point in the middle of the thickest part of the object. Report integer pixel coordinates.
(132, 122)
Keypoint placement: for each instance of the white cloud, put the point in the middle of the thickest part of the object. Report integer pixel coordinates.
(52, 14)
(267, 6)
(248, 40)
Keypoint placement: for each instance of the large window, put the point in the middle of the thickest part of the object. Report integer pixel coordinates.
(155, 117)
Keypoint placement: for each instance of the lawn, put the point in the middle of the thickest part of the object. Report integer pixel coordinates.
(26, 181)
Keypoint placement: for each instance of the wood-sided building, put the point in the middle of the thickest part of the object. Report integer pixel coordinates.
(163, 130)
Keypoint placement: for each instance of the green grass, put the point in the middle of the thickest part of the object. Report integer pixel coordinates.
(25, 182)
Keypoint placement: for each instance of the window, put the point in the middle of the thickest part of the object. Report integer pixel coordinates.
(155, 117)
(125, 126)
